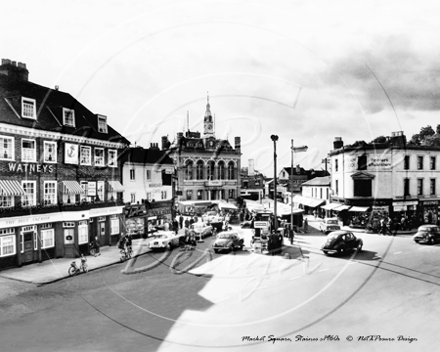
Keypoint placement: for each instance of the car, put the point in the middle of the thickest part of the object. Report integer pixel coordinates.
(339, 242)
(209, 216)
(164, 240)
(328, 225)
(427, 234)
(201, 230)
(228, 241)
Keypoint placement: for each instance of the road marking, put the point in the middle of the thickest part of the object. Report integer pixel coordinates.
(320, 271)
(294, 278)
(398, 252)
(223, 299)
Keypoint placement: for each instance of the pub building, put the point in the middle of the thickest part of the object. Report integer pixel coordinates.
(59, 173)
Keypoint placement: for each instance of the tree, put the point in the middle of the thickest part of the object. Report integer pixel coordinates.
(416, 139)
(433, 141)
(437, 130)
(426, 131)
(380, 139)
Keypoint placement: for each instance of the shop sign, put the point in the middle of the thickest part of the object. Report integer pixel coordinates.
(133, 211)
(30, 168)
(159, 211)
(91, 189)
(380, 162)
(105, 211)
(260, 224)
(404, 203)
(154, 185)
(215, 183)
(71, 153)
(429, 202)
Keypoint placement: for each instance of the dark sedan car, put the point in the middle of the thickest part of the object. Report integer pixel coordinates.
(228, 241)
(428, 234)
(341, 242)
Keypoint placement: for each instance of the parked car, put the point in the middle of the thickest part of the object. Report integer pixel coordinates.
(201, 230)
(228, 241)
(427, 234)
(164, 240)
(339, 242)
(328, 225)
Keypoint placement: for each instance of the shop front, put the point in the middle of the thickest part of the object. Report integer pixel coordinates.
(106, 224)
(428, 211)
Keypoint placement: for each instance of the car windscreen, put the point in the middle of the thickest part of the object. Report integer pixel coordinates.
(332, 222)
(225, 235)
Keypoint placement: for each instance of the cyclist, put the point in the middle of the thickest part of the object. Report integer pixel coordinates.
(128, 243)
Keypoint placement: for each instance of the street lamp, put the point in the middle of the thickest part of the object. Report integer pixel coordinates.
(293, 150)
(274, 139)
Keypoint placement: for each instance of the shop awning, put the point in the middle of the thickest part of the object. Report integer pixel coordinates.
(310, 202)
(359, 209)
(115, 186)
(341, 207)
(72, 187)
(331, 206)
(11, 188)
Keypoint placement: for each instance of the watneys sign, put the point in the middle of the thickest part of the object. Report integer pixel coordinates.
(30, 168)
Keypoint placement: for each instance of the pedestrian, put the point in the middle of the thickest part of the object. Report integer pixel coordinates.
(97, 245)
(187, 223)
(315, 214)
(175, 226)
(181, 221)
(306, 225)
(291, 234)
(191, 221)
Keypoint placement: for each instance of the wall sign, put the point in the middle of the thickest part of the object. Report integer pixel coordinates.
(91, 189)
(30, 168)
(71, 153)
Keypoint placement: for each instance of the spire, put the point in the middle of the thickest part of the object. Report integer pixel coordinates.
(208, 116)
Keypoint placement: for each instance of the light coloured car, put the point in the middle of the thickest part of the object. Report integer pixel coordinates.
(328, 225)
(164, 240)
(228, 241)
(201, 230)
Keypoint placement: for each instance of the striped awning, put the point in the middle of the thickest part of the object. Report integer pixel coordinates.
(11, 188)
(72, 187)
(115, 186)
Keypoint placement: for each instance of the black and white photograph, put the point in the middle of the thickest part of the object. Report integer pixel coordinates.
(219, 175)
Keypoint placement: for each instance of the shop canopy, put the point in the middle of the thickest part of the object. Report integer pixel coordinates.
(331, 206)
(310, 202)
(341, 207)
(358, 209)
(11, 188)
(72, 187)
(226, 205)
(116, 186)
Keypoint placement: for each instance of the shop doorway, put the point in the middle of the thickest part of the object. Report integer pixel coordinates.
(28, 246)
(101, 230)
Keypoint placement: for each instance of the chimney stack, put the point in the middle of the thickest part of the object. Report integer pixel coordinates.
(14, 71)
(338, 143)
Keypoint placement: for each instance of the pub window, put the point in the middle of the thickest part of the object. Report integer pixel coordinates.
(362, 188)
(112, 158)
(6, 201)
(85, 156)
(433, 160)
(28, 108)
(69, 117)
(406, 162)
(99, 157)
(406, 188)
(50, 192)
(47, 238)
(28, 150)
(29, 198)
(50, 152)
(7, 148)
(362, 162)
(7, 242)
(432, 187)
(189, 194)
(114, 226)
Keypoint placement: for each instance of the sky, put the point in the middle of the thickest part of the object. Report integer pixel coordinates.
(307, 71)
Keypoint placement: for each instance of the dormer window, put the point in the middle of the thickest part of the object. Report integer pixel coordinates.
(68, 117)
(28, 108)
(102, 124)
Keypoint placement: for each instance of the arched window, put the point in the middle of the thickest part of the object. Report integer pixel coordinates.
(189, 170)
(221, 170)
(210, 170)
(231, 170)
(199, 170)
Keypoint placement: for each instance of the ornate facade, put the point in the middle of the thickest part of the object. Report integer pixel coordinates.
(207, 167)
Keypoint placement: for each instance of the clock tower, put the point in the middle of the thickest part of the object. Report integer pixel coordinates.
(208, 123)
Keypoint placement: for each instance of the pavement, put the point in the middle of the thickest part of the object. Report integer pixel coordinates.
(57, 269)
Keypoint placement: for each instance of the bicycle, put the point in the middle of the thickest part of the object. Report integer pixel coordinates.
(74, 269)
(125, 253)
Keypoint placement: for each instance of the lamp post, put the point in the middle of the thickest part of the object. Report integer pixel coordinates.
(293, 150)
(274, 139)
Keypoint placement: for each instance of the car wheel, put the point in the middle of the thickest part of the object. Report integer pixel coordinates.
(359, 247)
(431, 241)
(325, 252)
(169, 246)
(215, 250)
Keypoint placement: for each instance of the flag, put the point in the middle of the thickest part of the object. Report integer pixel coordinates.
(299, 149)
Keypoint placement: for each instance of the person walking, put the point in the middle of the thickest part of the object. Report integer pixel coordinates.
(291, 234)
(306, 225)
(181, 221)
(97, 245)
(187, 223)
